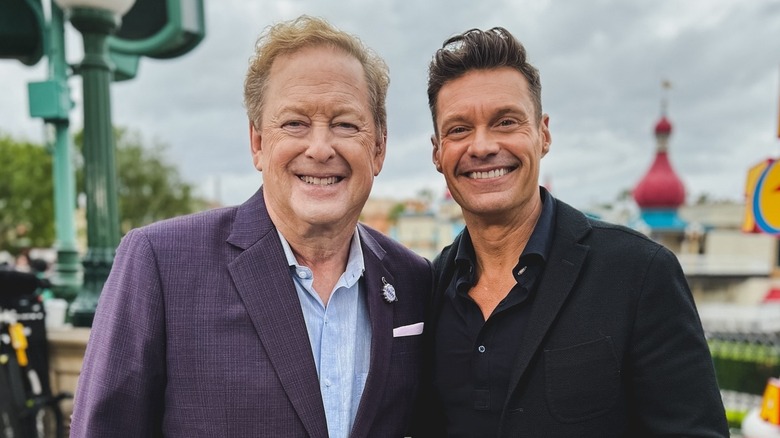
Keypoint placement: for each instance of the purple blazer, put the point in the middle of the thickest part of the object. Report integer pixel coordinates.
(199, 333)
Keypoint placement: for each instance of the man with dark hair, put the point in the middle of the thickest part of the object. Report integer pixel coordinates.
(281, 317)
(548, 323)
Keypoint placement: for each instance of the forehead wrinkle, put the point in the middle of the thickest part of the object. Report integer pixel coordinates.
(482, 87)
(329, 92)
(338, 80)
(330, 107)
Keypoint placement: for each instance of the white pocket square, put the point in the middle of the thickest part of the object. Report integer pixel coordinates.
(408, 330)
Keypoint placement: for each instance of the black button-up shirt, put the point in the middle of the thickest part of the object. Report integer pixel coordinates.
(474, 357)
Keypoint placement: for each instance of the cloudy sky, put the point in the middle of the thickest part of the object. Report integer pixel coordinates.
(602, 63)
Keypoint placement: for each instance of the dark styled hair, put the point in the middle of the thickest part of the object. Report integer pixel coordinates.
(476, 49)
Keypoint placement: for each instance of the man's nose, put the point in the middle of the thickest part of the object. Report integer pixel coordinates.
(483, 144)
(321, 142)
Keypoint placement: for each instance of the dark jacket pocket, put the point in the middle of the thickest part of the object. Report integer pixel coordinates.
(582, 381)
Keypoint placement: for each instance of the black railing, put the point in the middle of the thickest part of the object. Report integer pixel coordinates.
(744, 361)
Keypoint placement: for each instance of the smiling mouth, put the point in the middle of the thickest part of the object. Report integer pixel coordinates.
(495, 173)
(316, 181)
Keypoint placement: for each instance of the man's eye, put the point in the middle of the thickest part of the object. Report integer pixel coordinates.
(507, 122)
(346, 128)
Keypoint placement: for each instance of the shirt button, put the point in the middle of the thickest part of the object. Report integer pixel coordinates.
(327, 383)
(301, 273)
(481, 348)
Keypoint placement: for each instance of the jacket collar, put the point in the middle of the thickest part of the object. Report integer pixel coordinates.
(381, 314)
(251, 222)
(567, 256)
(262, 279)
(261, 275)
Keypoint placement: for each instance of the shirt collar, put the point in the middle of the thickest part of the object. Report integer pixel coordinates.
(539, 243)
(355, 262)
(541, 238)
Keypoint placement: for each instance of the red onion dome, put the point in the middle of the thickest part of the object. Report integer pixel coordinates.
(660, 187)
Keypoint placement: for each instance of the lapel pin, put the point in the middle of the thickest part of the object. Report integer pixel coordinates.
(388, 291)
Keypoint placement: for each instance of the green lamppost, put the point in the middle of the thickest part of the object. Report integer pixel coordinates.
(160, 29)
(96, 20)
(25, 35)
(50, 100)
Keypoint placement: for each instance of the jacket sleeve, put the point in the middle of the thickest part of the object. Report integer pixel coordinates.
(673, 381)
(120, 390)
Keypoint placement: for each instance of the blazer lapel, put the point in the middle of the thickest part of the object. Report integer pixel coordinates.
(381, 315)
(262, 278)
(566, 258)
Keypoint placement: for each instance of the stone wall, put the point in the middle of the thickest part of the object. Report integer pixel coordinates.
(66, 355)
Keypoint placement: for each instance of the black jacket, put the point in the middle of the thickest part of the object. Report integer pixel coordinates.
(613, 346)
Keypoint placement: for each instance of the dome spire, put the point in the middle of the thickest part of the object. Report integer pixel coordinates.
(663, 129)
(661, 187)
(666, 85)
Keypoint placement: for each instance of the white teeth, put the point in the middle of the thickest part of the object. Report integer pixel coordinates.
(489, 174)
(319, 181)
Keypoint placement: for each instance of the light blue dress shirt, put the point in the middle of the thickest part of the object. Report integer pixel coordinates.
(340, 336)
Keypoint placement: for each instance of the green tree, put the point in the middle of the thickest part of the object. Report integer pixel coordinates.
(396, 212)
(150, 188)
(26, 196)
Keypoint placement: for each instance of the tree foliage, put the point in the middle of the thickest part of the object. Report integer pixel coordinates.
(396, 212)
(150, 188)
(26, 195)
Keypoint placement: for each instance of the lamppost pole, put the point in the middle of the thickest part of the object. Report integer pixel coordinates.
(157, 28)
(67, 280)
(99, 164)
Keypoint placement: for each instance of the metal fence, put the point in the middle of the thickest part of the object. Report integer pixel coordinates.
(745, 346)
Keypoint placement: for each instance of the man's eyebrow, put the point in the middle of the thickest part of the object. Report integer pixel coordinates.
(454, 118)
(501, 112)
(510, 110)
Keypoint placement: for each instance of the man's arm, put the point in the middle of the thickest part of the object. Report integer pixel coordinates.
(121, 387)
(673, 383)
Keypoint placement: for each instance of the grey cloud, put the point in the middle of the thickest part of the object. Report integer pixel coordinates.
(601, 61)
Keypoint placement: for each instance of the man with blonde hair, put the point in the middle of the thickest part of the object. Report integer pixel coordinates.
(282, 316)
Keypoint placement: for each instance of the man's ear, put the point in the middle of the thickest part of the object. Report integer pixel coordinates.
(256, 146)
(546, 136)
(380, 152)
(435, 153)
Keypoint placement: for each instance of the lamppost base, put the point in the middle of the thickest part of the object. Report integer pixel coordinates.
(82, 309)
(82, 316)
(67, 280)
(97, 266)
